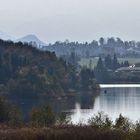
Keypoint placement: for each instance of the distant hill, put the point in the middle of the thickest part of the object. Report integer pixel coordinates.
(5, 36)
(30, 39)
(34, 40)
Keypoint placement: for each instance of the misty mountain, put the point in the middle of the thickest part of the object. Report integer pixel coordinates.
(5, 36)
(34, 40)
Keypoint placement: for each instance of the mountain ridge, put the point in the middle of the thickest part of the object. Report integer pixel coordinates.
(29, 38)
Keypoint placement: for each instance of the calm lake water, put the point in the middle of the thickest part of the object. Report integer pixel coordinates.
(113, 100)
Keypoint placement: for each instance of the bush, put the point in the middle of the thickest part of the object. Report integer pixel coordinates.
(100, 121)
(63, 119)
(14, 115)
(43, 116)
(9, 113)
(123, 123)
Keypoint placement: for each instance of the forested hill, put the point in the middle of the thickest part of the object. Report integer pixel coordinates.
(28, 72)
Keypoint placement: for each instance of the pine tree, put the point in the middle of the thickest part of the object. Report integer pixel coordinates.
(115, 62)
(108, 62)
(100, 65)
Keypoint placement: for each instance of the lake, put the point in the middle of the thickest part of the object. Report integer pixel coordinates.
(112, 100)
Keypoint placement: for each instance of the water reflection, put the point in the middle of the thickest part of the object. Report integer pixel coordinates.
(124, 100)
(117, 100)
(86, 100)
(58, 105)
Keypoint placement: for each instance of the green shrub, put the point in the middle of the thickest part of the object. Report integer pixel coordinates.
(123, 123)
(43, 116)
(63, 119)
(100, 121)
(9, 113)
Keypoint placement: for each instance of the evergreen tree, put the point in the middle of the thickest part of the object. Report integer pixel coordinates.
(108, 62)
(101, 72)
(100, 65)
(86, 76)
(126, 64)
(102, 41)
(115, 62)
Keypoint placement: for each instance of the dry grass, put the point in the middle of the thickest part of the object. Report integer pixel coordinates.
(59, 133)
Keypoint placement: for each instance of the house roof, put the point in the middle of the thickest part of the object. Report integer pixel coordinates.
(128, 69)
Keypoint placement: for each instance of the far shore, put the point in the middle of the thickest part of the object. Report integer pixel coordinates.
(129, 85)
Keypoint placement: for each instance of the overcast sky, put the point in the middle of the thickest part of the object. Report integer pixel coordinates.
(82, 20)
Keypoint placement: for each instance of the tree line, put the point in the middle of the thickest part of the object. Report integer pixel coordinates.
(96, 48)
(106, 71)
